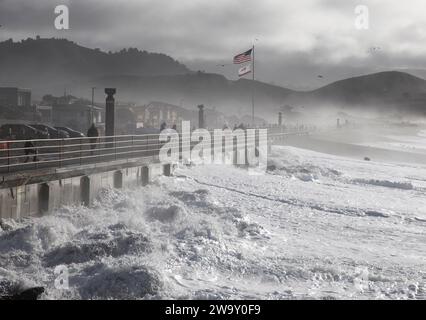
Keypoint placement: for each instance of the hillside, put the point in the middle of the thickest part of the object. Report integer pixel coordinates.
(379, 88)
(388, 91)
(41, 63)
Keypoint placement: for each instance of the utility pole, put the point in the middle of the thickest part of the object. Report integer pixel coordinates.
(91, 109)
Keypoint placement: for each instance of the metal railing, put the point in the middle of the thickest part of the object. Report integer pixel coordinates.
(21, 155)
(17, 155)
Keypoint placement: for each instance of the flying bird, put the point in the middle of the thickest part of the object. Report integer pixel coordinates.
(373, 49)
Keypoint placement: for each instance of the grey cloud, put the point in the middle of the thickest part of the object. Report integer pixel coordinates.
(297, 39)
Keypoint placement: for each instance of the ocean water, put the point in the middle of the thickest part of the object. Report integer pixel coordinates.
(314, 226)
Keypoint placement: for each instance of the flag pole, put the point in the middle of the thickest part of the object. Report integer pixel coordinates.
(252, 89)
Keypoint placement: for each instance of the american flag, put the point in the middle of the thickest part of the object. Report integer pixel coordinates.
(243, 57)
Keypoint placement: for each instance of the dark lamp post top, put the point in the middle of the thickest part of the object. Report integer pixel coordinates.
(110, 92)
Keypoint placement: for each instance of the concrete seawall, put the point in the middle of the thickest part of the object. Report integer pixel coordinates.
(39, 193)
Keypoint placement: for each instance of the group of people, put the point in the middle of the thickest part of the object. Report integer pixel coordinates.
(163, 126)
(240, 126)
(31, 151)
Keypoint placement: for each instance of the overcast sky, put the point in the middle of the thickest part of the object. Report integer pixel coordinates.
(297, 40)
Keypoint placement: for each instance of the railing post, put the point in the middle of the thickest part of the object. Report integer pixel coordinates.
(37, 155)
(159, 147)
(115, 148)
(8, 156)
(133, 148)
(60, 153)
(99, 149)
(81, 151)
(146, 147)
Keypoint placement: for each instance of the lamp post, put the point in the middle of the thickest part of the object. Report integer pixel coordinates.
(201, 116)
(110, 112)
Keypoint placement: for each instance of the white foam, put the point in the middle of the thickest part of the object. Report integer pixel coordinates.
(217, 232)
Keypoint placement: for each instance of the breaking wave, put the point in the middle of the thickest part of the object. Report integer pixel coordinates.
(293, 167)
(124, 247)
(385, 183)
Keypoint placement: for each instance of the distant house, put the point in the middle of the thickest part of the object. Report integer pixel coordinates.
(69, 111)
(15, 97)
(15, 106)
(45, 114)
(76, 116)
(155, 113)
(125, 119)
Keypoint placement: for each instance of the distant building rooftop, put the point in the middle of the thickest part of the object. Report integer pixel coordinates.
(15, 97)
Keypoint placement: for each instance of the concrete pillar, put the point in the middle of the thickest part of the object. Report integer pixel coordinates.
(85, 191)
(20, 202)
(44, 198)
(167, 170)
(110, 112)
(118, 179)
(280, 119)
(145, 176)
(201, 116)
(234, 151)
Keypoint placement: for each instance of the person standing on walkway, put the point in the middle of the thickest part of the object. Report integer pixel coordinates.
(30, 149)
(5, 147)
(93, 134)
